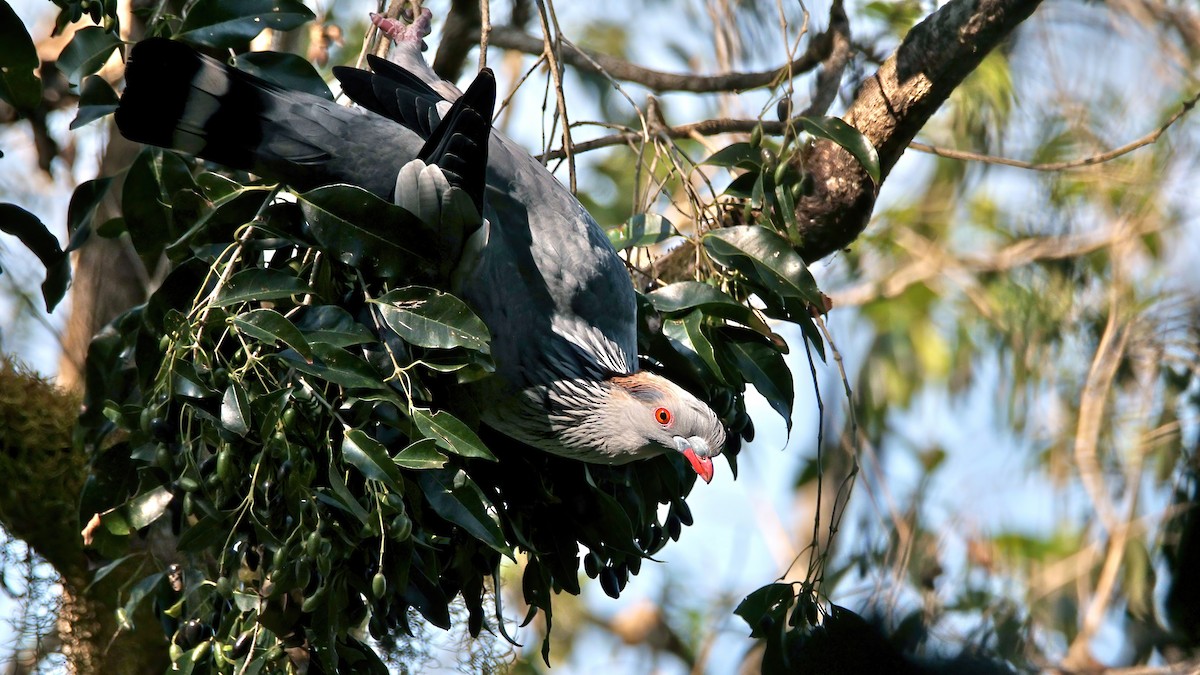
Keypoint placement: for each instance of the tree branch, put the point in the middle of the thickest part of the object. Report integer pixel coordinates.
(891, 107)
(1091, 160)
(507, 37)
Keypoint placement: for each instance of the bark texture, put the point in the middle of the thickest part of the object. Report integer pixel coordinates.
(891, 107)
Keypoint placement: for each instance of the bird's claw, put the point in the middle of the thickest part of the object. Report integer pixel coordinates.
(398, 31)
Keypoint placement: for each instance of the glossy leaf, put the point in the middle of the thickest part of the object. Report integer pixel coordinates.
(19, 85)
(152, 179)
(684, 296)
(765, 257)
(427, 317)
(836, 130)
(229, 24)
(364, 231)
(451, 434)
(643, 229)
(420, 455)
(459, 500)
(235, 409)
(687, 331)
(766, 369)
(88, 50)
(267, 325)
(258, 284)
(371, 459)
(741, 155)
(337, 366)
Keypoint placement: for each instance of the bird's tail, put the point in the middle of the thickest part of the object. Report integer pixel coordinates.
(459, 145)
(180, 99)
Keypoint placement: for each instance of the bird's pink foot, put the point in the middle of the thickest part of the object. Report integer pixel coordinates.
(399, 31)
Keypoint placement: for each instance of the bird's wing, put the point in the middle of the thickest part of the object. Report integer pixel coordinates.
(548, 284)
(548, 276)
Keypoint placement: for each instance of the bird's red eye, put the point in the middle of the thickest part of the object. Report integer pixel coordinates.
(663, 416)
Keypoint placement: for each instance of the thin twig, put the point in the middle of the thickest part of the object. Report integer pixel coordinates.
(1064, 165)
(508, 37)
(551, 50)
(485, 31)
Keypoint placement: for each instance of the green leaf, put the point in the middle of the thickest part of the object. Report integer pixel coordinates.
(96, 99)
(741, 155)
(773, 601)
(427, 317)
(766, 258)
(343, 498)
(371, 459)
(451, 434)
(187, 382)
(267, 325)
(332, 325)
(420, 455)
(82, 209)
(365, 232)
(290, 71)
(683, 296)
(643, 229)
(459, 500)
(140, 591)
(19, 84)
(235, 409)
(88, 50)
(260, 284)
(836, 130)
(689, 333)
(766, 369)
(337, 366)
(138, 512)
(152, 179)
(229, 24)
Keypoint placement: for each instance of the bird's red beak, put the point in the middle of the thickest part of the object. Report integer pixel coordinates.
(702, 465)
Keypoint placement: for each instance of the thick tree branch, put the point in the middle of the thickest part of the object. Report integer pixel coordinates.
(891, 107)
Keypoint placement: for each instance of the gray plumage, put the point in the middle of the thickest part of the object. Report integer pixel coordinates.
(541, 273)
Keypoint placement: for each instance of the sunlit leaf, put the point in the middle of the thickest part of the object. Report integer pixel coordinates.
(427, 317)
(420, 455)
(267, 325)
(836, 130)
(371, 459)
(365, 232)
(451, 434)
(765, 257)
(643, 229)
(235, 409)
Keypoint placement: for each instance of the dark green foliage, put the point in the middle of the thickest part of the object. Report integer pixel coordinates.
(287, 407)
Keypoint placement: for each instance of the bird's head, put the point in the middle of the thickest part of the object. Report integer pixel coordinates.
(659, 415)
